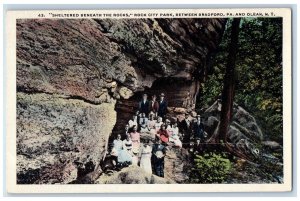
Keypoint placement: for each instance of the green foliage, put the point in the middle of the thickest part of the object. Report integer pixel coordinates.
(210, 168)
(258, 73)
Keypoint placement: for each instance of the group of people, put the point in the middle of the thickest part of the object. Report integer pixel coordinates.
(151, 122)
(131, 151)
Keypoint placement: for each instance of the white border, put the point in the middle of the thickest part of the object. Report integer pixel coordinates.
(12, 187)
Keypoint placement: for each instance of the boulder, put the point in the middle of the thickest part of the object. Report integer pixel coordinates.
(243, 132)
(132, 175)
(180, 110)
(272, 146)
(125, 92)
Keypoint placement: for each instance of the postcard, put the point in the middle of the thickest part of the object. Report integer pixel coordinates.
(152, 100)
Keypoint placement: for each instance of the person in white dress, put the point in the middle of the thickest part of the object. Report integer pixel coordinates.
(133, 122)
(143, 122)
(146, 153)
(174, 138)
(151, 125)
(158, 124)
(126, 153)
(123, 152)
(118, 144)
(169, 127)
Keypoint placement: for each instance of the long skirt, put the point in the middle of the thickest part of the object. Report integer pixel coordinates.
(175, 139)
(124, 156)
(145, 163)
(135, 160)
(135, 146)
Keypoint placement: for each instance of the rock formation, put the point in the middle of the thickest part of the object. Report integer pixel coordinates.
(132, 175)
(177, 164)
(243, 132)
(74, 74)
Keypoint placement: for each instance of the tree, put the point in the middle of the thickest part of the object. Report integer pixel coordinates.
(229, 82)
(229, 91)
(228, 87)
(258, 73)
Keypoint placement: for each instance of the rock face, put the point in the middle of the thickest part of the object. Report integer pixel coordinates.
(60, 133)
(243, 132)
(177, 164)
(73, 75)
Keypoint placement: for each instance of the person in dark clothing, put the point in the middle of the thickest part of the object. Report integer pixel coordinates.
(126, 131)
(198, 129)
(144, 105)
(198, 148)
(185, 128)
(158, 156)
(162, 109)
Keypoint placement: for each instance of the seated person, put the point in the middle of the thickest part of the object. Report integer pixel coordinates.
(125, 154)
(163, 134)
(158, 124)
(127, 144)
(169, 127)
(151, 124)
(143, 123)
(174, 137)
(133, 122)
(126, 130)
(198, 148)
(117, 147)
(117, 143)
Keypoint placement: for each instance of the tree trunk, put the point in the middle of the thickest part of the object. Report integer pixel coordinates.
(229, 82)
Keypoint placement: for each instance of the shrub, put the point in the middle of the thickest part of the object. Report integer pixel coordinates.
(210, 168)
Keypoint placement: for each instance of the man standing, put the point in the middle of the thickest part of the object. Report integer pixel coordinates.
(144, 105)
(198, 129)
(185, 127)
(158, 157)
(162, 109)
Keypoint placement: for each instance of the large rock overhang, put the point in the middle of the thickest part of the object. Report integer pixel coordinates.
(68, 69)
